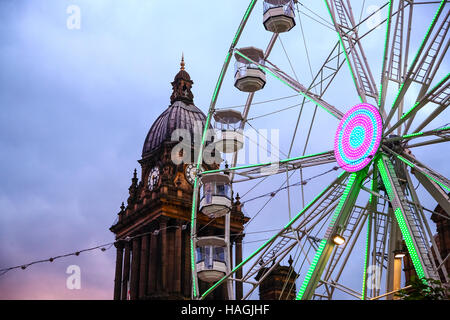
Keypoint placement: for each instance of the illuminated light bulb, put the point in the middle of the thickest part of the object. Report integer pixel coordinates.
(338, 239)
(398, 254)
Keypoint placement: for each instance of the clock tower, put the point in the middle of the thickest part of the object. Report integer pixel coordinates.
(153, 227)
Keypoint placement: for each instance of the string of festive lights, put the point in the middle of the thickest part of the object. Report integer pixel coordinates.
(102, 247)
(107, 246)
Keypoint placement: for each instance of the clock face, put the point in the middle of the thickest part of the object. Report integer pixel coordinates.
(190, 172)
(153, 178)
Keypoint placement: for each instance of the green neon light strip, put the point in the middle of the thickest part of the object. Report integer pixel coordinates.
(444, 186)
(193, 221)
(219, 282)
(412, 135)
(244, 20)
(265, 164)
(441, 129)
(401, 221)
(413, 63)
(430, 28)
(373, 205)
(323, 243)
(379, 97)
(409, 243)
(208, 120)
(286, 83)
(406, 161)
(194, 207)
(345, 53)
(220, 80)
(233, 44)
(344, 197)
(366, 260)
(391, 113)
(419, 134)
(388, 30)
(311, 269)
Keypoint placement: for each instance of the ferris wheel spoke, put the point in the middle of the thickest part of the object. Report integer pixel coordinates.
(357, 220)
(431, 62)
(436, 112)
(343, 20)
(421, 67)
(395, 56)
(434, 190)
(412, 162)
(384, 73)
(407, 221)
(338, 222)
(429, 142)
(443, 134)
(334, 61)
(255, 171)
(293, 84)
(439, 94)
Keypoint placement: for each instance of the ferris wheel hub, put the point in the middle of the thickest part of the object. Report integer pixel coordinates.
(358, 137)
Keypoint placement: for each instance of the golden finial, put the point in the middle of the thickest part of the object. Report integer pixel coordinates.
(182, 61)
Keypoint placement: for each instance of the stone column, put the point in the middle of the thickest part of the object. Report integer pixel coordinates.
(144, 267)
(177, 266)
(126, 271)
(135, 257)
(118, 276)
(164, 258)
(187, 263)
(153, 264)
(238, 259)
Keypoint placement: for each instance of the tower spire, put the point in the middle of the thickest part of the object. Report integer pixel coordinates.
(181, 85)
(182, 61)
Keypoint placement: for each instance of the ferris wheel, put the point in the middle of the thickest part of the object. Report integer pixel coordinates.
(372, 208)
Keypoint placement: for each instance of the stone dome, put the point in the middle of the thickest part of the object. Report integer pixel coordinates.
(179, 115)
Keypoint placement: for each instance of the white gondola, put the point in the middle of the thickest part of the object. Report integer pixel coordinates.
(278, 15)
(211, 259)
(231, 137)
(215, 195)
(248, 77)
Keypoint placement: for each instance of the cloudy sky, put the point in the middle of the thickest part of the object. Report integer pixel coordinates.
(76, 105)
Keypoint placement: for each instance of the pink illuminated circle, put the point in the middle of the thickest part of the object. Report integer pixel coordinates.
(358, 137)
